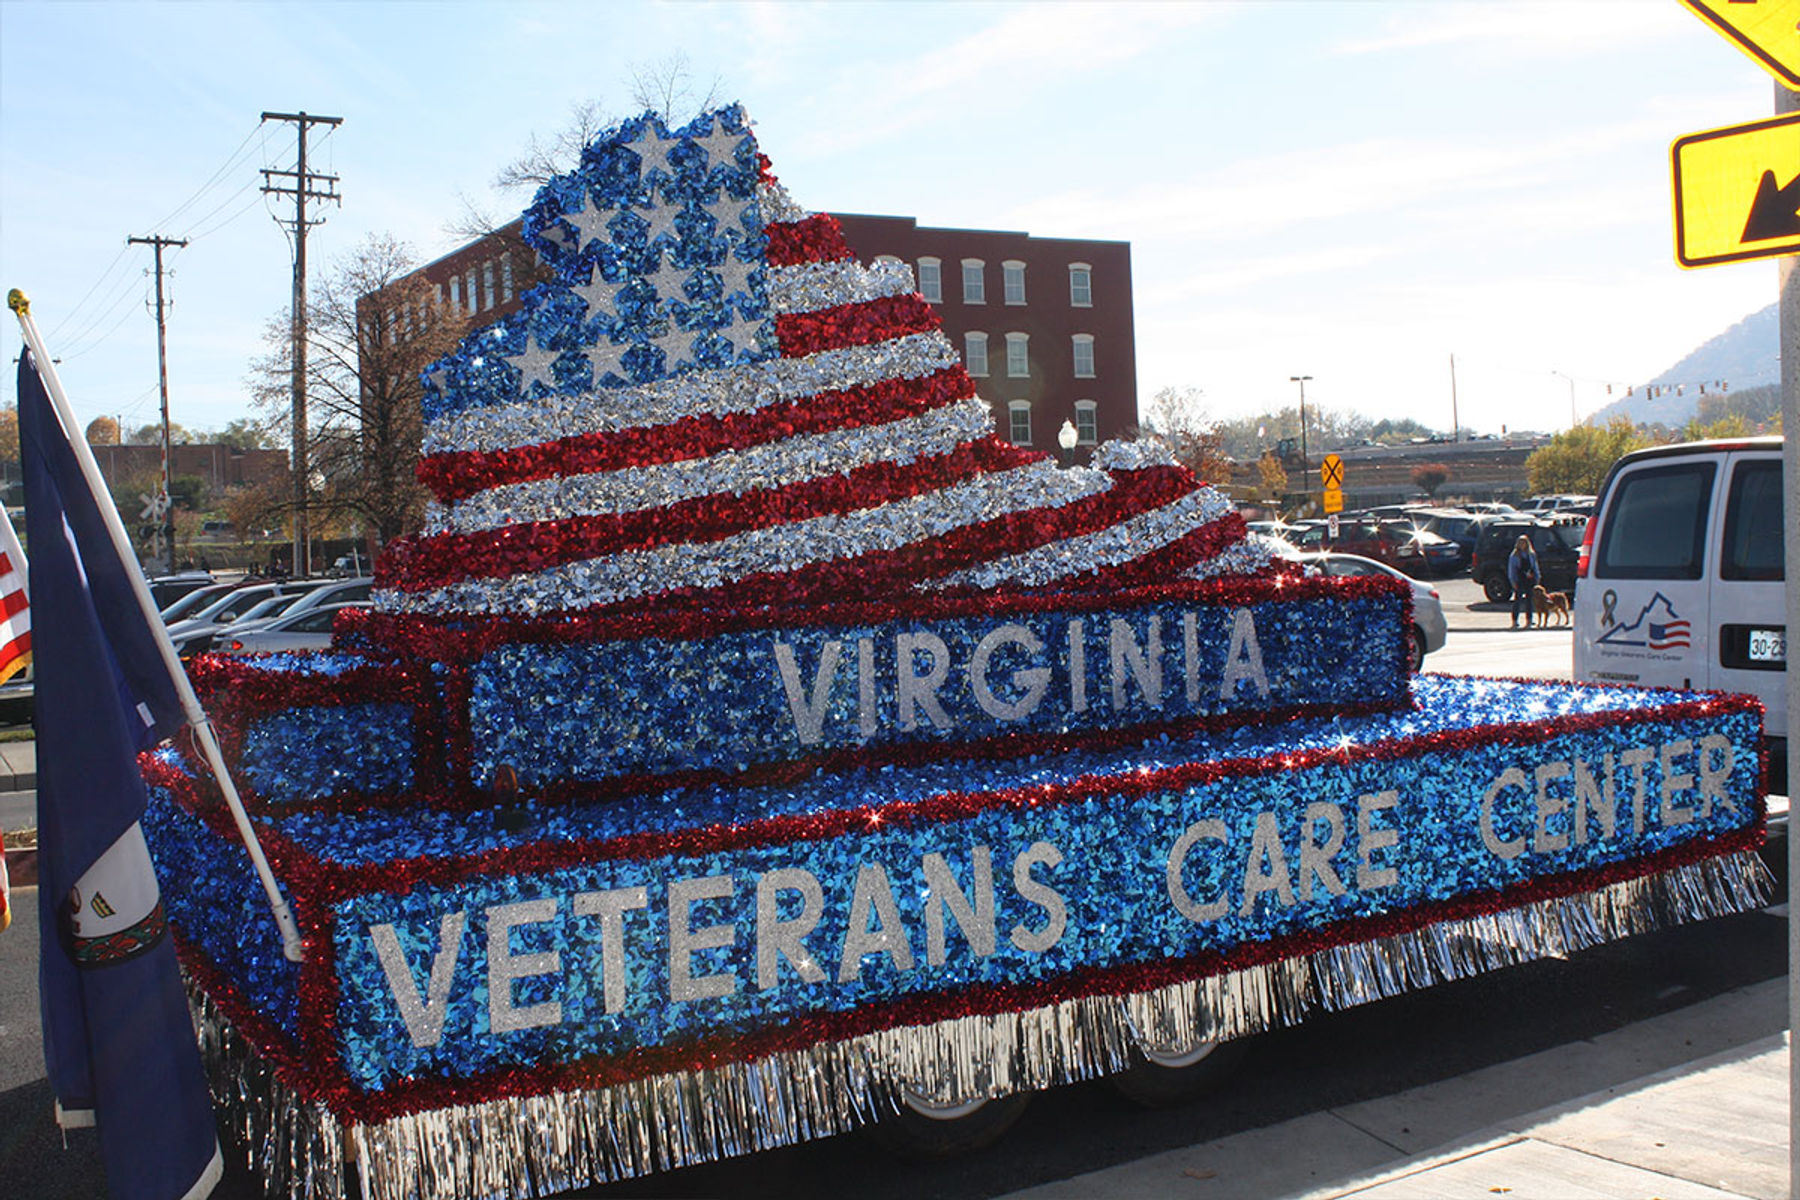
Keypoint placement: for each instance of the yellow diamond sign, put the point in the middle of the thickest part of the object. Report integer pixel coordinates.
(1737, 192)
(1767, 30)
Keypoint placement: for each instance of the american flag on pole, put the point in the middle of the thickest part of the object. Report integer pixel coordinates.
(15, 607)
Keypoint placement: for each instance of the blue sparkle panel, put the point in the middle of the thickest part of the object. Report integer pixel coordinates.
(600, 958)
(744, 699)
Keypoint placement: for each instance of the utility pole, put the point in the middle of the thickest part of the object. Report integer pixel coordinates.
(1455, 421)
(166, 518)
(302, 190)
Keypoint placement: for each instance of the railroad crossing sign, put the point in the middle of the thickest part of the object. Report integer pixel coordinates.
(1737, 192)
(1767, 30)
(1331, 472)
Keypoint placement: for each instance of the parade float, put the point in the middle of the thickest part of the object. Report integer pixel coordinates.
(754, 743)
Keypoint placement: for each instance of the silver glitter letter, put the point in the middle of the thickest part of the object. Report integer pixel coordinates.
(1243, 659)
(808, 711)
(976, 919)
(684, 985)
(1034, 680)
(1077, 666)
(1543, 841)
(1040, 894)
(1712, 779)
(867, 719)
(1315, 859)
(1636, 759)
(920, 691)
(1592, 797)
(777, 939)
(424, 1015)
(1185, 904)
(1190, 656)
(504, 966)
(1145, 665)
(1674, 813)
(874, 896)
(1369, 839)
(1265, 844)
(1511, 777)
(611, 906)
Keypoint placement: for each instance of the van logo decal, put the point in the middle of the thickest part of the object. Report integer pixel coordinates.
(1609, 602)
(1658, 627)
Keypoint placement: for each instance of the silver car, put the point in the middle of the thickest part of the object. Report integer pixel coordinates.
(1429, 629)
(308, 630)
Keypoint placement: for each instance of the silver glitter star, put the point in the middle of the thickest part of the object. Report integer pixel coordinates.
(661, 219)
(606, 356)
(668, 278)
(535, 364)
(735, 274)
(720, 145)
(590, 225)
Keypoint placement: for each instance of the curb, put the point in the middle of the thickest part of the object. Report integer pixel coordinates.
(22, 867)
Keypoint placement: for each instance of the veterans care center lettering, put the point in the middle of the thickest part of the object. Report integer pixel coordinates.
(803, 929)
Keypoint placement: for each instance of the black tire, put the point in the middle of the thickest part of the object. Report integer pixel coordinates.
(1497, 588)
(1165, 1081)
(1416, 658)
(921, 1129)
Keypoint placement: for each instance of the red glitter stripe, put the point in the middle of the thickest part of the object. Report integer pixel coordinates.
(859, 324)
(818, 238)
(417, 564)
(453, 477)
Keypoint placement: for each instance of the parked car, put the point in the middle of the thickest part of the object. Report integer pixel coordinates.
(1557, 542)
(1429, 628)
(194, 634)
(309, 630)
(1459, 527)
(1416, 551)
(186, 606)
(1684, 578)
(340, 591)
(166, 589)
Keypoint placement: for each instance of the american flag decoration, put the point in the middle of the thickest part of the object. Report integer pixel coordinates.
(15, 605)
(714, 400)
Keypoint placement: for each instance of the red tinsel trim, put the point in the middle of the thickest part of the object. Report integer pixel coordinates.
(818, 238)
(321, 1078)
(453, 477)
(415, 564)
(861, 323)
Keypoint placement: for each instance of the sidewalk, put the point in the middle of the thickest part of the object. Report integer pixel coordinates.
(18, 767)
(1690, 1104)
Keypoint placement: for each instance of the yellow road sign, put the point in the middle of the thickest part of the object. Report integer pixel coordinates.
(1334, 500)
(1331, 472)
(1767, 30)
(1737, 192)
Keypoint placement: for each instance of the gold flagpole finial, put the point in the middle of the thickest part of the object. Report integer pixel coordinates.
(18, 302)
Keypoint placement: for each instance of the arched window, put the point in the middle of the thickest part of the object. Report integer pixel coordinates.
(975, 356)
(1012, 275)
(931, 280)
(1081, 285)
(974, 281)
(1083, 345)
(1018, 360)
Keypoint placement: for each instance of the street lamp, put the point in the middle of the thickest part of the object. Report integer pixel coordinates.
(1301, 380)
(1574, 419)
(1066, 437)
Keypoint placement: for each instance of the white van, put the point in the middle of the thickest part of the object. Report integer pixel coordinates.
(1681, 577)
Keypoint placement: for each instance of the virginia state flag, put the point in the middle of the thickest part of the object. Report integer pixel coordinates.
(119, 1045)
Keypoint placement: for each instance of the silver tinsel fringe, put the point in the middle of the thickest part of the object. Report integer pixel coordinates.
(541, 1145)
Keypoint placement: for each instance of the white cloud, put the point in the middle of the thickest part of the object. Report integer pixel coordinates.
(1559, 28)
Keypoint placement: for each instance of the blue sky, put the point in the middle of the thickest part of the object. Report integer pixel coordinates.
(1352, 191)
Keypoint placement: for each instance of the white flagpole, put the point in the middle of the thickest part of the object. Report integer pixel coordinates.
(190, 703)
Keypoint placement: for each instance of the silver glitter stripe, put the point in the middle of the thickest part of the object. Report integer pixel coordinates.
(1240, 558)
(774, 465)
(712, 393)
(1121, 543)
(535, 1145)
(777, 206)
(810, 287)
(790, 546)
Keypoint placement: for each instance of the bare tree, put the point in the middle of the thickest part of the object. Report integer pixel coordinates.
(373, 331)
(1178, 419)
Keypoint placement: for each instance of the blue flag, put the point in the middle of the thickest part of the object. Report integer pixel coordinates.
(119, 1045)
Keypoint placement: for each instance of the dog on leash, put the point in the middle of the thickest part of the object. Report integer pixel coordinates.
(1546, 604)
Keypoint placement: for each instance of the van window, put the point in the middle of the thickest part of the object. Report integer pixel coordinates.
(1656, 527)
(1753, 535)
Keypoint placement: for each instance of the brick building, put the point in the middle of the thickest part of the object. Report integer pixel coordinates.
(219, 466)
(1044, 325)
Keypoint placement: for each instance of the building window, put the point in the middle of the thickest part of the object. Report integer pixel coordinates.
(1084, 355)
(1087, 422)
(1013, 277)
(487, 280)
(1018, 362)
(974, 281)
(975, 353)
(1018, 414)
(1081, 285)
(506, 279)
(474, 297)
(456, 291)
(931, 280)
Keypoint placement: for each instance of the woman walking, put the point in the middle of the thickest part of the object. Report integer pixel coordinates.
(1522, 573)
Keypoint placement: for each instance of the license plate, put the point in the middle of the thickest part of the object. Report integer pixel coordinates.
(1768, 645)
